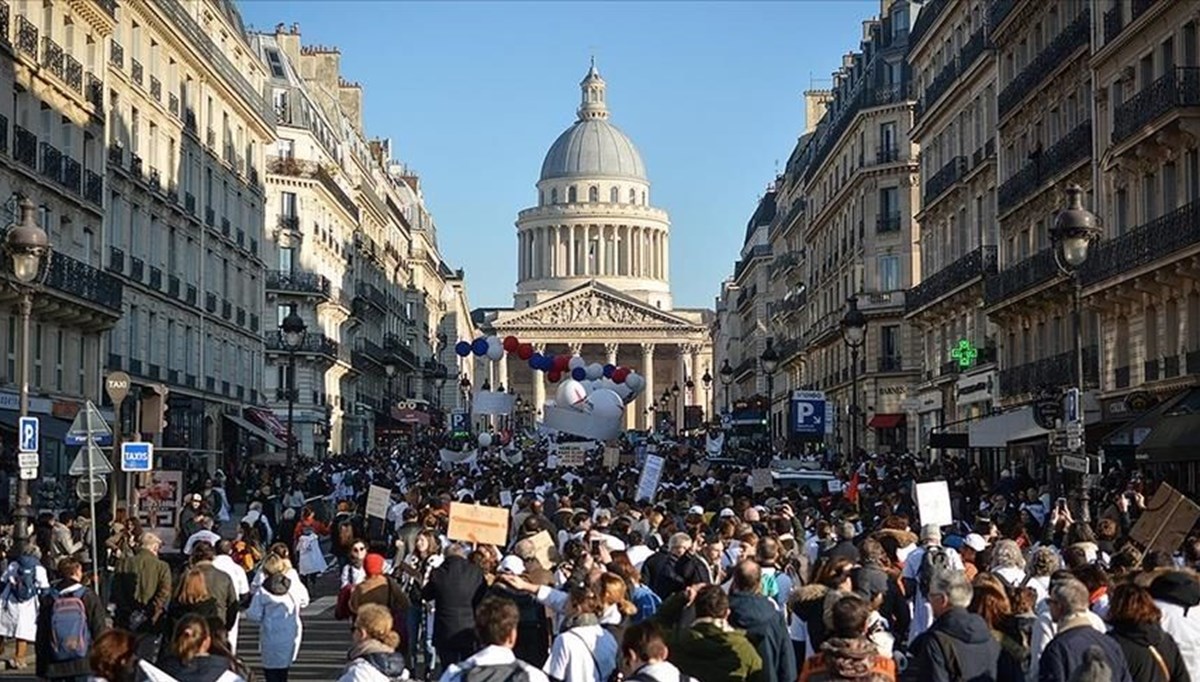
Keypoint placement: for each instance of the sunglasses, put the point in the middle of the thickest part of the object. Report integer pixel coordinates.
(359, 548)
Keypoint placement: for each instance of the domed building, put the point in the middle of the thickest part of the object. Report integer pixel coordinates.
(593, 273)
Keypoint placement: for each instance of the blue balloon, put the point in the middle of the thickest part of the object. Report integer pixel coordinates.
(579, 374)
(547, 363)
(608, 371)
(479, 346)
(462, 349)
(535, 361)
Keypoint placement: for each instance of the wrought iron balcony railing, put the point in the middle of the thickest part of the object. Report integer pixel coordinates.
(93, 187)
(1174, 90)
(285, 165)
(27, 37)
(25, 147)
(1075, 36)
(979, 263)
(1019, 277)
(51, 162)
(1042, 168)
(371, 295)
(297, 282)
(5, 18)
(116, 259)
(136, 72)
(72, 175)
(95, 93)
(944, 179)
(85, 282)
(116, 55)
(155, 88)
(314, 343)
(1114, 19)
(888, 222)
(73, 73)
(52, 57)
(1144, 245)
(1055, 371)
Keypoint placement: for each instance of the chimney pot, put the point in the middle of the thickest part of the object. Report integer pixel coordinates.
(296, 27)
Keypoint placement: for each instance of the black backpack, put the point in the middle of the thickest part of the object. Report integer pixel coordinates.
(935, 561)
(508, 672)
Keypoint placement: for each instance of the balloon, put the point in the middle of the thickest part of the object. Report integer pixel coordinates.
(511, 344)
(578, 374)
(620, 374)
(571, 393)
(606, 404)
(524, 351)
(485, 440)
(608, 370)
(462, 349)
(495, 352)
(535, 360)
(562, 362)
(576, 361)
(479, 346)
(594, 370)
(623, 390)
(636, 381)
(554, 376)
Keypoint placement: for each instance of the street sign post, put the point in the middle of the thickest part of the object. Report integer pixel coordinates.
(91, 489)
(137, 457)
(90, 462)
(29, 434)
(1074, 463)
(809, 415)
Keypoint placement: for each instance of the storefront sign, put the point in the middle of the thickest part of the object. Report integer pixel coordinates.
(930, 401)
(974, 388)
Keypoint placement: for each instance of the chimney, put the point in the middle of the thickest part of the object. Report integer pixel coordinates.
(321, 65)
(350, 97)
(289, 43)
(815, 103)
(296, 27)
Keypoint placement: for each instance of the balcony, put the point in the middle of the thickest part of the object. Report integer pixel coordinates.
(1020, 277)
(891, 364)
(979, 263)
(1144, 245)
(226, 309)
(370, 295)
(253, 322)
(189, 203)
(95, 94)
(137, 269)
(27, 37)
(943, 180)
(136, 72)
(1075, 36)
(4, 22)
(289, 222)
(51, 162)
(889, 154)
(240, 317)
(116, 260)
(135, 166)
(1044, 167)
(314, 343)
(93, 187)
(1056, 371)
(1114, 20)
(889, 222)
(226, 228)
(985, 153)
(191, 295)
(116, 155)
(173, 104)
(72, 175)
(1176, 90)
(156, 277)
(210, 302)
(52, 57)
(881, 301)
(210, 216)
(1150, 370)
(116, 55)
(154, 179)
(96, 294)
(173, 286)
(296, 168)
(156, 89)
(297, 282)
(25, 147)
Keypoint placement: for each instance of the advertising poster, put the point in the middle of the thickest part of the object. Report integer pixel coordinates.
(159, 504)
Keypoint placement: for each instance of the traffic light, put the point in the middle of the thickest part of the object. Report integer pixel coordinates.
(154, 408)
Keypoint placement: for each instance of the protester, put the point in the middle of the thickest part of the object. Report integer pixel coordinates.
(496, 626)
(958, 644)
(24, 582)
(277, 611)
(69, 620)
(1151, 654)
(847, 654)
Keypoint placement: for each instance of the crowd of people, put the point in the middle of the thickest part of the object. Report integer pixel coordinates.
(716, 576)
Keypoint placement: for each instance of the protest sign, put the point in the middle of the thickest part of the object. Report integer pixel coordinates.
(378, 501)
(933, 504)
(544, 550)
(478, 524)
(571, 454)
(1168, 518)
(612, 457)
(651, 474)
(760, 480)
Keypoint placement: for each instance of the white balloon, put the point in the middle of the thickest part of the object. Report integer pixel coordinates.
(576, 361)
(495, 352)
(594, 370)
(571, 393)
(550, 403)
(624, 391)
(485, 440)
(606, 404)
(636, 382)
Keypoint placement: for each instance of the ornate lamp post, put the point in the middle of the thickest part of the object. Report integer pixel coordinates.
(390, 370)
(706, 381)
(439, 381)
(292, 332)
(726, 374)
(1074, 230)
(28, 248)
(854, 333)
(770, 363)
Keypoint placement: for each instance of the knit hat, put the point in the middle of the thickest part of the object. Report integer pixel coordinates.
(373, 564)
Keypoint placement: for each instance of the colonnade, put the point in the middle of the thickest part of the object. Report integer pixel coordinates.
(593, 251)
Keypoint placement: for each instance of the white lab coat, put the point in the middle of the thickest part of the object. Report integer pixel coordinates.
(19, 619)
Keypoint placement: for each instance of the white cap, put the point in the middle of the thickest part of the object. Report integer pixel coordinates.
(726, 513)
(696, 509)
(975, 541)
(512, 564)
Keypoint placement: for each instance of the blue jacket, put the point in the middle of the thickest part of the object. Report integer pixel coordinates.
(974, 654)
(1064, 655)
(766, 629)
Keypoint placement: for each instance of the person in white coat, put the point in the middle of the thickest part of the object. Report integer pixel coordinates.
(276, 608)
(24, 580)
(224, 563)
(310, 556)
(1177, 595)
(373, 657)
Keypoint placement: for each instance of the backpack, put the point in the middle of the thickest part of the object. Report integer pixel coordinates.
(70, 636)
(770, 585)
(935, 561)
(25, 585)
(508, 672)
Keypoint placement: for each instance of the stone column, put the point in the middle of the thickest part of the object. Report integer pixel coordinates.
(610, 351)
(570, 251)
(539, 385)
(648, 392)
(666, 260)
(575, 348)
(696, 374)
(502, 369)
(602, 251)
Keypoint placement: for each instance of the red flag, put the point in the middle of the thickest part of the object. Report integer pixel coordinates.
(852, 489)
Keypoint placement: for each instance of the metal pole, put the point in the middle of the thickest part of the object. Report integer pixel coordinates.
(291, 398)
(91, 474)
(853, 400)
(21, 513)
(770, 416)
(1077, 322)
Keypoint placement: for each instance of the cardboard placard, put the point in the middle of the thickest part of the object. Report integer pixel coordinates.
(378, 501)
(571, 455)
(612, 457)
(760, 480)
(933, 504)
(648, 482)
(478, 524)
(544, 550)
(1167, 520)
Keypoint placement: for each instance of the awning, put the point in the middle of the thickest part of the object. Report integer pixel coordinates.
(255, 431)
(886, 420)
(51, 428)
(1176, 435)
(998, 430)
(268, 421)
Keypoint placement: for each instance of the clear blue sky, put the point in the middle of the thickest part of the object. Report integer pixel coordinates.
(473, 93)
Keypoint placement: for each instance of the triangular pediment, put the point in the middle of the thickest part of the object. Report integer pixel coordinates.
(591, 305)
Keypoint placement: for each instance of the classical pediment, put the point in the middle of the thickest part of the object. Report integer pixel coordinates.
(591, 305)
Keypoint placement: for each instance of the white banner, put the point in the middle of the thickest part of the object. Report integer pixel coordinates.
(651, 474)
(571, 454)
(492, 403)
(714, 445)
(576, 423)
(456, 457)
(379, 499)
(933, 504)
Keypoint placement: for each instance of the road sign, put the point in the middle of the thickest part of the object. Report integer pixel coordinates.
(89, 423)
(726, 420)
(116, 384)
(29, 430)
(808, 414)
(137, 457)
(28, 474)
(459, 422)
(91, 488)
(1073, 463)
(1072, 414)
(27, 460)
(90, 460)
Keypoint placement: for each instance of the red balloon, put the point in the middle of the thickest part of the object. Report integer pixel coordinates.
(554, 376)
(524, 350)
(561, 362)
(620, 374)
(511, 344)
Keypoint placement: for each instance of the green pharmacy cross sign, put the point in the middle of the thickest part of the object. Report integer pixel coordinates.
(964, 353)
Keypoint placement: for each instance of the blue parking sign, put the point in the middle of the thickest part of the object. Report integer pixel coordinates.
(30, 434)
(808, 414)
(137, 457)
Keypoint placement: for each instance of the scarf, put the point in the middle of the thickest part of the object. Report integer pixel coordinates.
(580, 620)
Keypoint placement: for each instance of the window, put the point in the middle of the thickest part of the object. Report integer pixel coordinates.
(1149, 197)
(887, 140)
(889, 273)
(89, 245)
(1121, 210)
(287, 204)
(59, 352)
(614, 196)
(632, 195)
(572, 195)
(1169, 189)
(889, 342)
(594, 194)
(135, 227)
(1189, 44)
(115, 207)
(554, 195)
(276, 63)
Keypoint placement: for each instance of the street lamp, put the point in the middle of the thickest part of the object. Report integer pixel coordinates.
(440, 374)
(854, 333)
(726, 374)
(28, 249)
(706, 380)
(1074, 230)
(770, 363)
(292, 332)
(390, 370)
